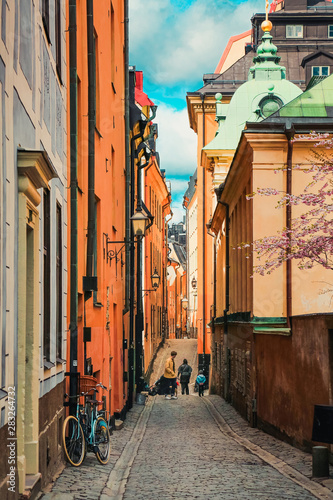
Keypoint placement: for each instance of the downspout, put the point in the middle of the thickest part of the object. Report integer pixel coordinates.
(203, 239)
(165, 282)
(131, 347)
(91, 154)
(131, 350)
(214, 281)
(73, 208)
(227, 299)
(288, 225)
(127, 160)
(91, 137)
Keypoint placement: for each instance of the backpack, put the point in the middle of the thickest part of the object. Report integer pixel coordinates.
(185, 374)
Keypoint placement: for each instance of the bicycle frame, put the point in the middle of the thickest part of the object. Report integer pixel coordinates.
(89, 428)
(87, 415)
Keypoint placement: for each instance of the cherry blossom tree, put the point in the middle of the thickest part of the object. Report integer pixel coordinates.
(309, 240)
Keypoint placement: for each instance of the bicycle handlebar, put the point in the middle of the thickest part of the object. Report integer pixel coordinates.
(86, 393)
(81, 394)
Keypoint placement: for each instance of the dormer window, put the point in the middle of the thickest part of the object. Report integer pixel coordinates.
(294, 31)
(320, 70)
(330, 31)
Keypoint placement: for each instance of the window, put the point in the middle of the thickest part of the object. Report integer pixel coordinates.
(96, 77)
(294, 31)
(59, 282)
(112, 38)
(47, 271)
(320, 70)
(58, 36)
(330, 31)
(95, 297)
(46, 17)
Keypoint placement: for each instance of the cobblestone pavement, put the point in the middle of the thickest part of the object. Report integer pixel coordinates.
(192, 448)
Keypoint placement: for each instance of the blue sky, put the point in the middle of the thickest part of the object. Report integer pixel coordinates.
(174, 42)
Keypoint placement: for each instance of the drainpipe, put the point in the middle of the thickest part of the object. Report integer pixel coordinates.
(91, 137)
(288, 225)
(164, 268)
(203, 239)
(214, 281)
(127, 160)
(131, 200)
(227, 299)
(73, 209)
(91, 152)
(131, 351)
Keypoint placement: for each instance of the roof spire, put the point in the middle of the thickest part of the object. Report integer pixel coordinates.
(267, 61)
(266, 25)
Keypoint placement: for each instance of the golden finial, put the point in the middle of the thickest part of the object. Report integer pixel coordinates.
(266, 25)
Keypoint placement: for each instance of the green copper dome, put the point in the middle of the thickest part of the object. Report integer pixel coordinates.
(265, 92)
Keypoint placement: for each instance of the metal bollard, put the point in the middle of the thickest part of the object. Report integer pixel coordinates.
(320, 462)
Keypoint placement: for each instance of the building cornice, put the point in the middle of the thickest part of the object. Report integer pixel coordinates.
(195, 107)
(35, 170)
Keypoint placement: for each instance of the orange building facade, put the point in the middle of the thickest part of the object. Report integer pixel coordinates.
(150, 197)
(100, 198)
(177, 292)
(157, 199)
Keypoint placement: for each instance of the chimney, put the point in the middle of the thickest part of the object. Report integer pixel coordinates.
(295, 5)
(139, 80)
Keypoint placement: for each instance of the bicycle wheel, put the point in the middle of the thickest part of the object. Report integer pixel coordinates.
(102, 440)
(73, 441)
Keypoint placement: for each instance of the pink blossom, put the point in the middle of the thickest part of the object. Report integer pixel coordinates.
(310, 238)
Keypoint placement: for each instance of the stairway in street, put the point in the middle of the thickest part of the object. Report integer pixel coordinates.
(191, 448)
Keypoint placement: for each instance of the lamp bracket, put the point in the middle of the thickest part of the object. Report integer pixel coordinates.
(113, 254)
(150, 216)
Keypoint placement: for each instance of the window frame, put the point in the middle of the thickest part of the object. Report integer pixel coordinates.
(330, 26)
(320, 70)
(59, 282)
(46, 18)
(46, 275)
(295, 26)
(58, 44)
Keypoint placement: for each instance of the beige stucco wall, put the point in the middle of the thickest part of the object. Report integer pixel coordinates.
(269, 298)
(23, 99)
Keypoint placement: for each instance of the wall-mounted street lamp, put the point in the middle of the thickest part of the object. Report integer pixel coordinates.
(194, 283)
(185, 303)
(155, 281)
(141, 221)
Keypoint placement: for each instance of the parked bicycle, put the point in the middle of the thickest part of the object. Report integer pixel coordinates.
(88, 431)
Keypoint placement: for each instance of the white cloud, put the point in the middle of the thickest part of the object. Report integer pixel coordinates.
(176, 143)
(173, 45)
(178, 213)
(179, 186)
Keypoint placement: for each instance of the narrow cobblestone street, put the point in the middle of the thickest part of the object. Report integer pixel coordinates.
(191, 448)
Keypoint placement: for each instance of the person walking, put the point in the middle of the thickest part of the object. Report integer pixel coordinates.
(170, 376)
(201, 380)
(184, 374)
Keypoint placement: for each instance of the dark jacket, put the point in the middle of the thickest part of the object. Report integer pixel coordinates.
(185, 373)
